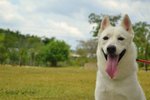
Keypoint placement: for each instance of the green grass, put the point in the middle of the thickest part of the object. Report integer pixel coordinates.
(37, 83)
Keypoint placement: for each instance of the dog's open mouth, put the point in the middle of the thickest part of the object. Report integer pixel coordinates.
(112, 61)
(120, 55)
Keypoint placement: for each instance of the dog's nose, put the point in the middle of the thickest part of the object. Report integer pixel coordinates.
(111, 49)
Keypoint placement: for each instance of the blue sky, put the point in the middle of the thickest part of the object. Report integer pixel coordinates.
(65, 19)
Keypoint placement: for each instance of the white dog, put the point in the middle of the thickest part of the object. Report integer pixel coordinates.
(117, 67)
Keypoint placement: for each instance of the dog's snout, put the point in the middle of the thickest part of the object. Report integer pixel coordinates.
(111, 49)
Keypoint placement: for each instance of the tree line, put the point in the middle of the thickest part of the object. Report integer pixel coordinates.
(18, 49)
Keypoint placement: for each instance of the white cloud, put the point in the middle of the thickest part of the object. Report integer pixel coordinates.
(137, 9)
(63, 28)
(8, 11)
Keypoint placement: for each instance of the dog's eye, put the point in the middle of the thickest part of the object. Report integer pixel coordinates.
(105, 38)
(120, 38)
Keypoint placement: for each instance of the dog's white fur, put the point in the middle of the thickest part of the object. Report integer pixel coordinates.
(125, 85)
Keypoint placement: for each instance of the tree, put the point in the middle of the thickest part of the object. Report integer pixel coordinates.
(96, 19)
(142, 40)
(3, 54)
(87, 51)
(46, 40)
(16, 48)
(87, 48)
(56, 51)
(34, 45)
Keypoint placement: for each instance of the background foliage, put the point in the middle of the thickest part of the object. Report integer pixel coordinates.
(18, 49)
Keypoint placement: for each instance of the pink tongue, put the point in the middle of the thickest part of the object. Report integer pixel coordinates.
(111, 65)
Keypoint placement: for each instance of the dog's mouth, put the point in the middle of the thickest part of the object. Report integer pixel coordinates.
(112, 61)
(114, 55)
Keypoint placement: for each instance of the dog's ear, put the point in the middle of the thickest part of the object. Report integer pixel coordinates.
(126, 23)
(105, 23)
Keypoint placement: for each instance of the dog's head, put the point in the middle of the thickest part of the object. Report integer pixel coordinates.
(114, 42)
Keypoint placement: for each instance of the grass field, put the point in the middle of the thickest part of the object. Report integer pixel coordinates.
(37, 83)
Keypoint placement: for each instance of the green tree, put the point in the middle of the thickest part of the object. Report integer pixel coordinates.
(3, 53)
(56, 51)
(34, 45)
(16, 48)
(142, 40)
(96, 19)
(46, 40)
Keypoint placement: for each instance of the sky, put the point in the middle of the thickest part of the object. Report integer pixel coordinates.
(65, 19)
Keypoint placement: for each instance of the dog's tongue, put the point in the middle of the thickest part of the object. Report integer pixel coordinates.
(111, 65)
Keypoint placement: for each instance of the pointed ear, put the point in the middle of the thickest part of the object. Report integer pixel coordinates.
(126, 23)
(105, 23)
